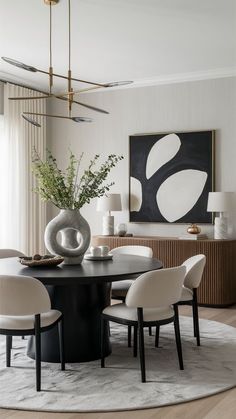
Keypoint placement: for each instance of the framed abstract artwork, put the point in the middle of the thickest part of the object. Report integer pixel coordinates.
(170, 177)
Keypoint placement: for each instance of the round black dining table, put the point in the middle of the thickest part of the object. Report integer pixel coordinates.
(80, 292)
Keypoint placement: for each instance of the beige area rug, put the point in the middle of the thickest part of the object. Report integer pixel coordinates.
(86, 387)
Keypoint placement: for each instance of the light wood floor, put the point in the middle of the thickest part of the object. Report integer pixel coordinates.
(221, 406)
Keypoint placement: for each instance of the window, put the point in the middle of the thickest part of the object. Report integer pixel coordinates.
(3, 183)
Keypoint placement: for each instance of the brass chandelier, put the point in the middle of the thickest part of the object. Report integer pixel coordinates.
(67, 96)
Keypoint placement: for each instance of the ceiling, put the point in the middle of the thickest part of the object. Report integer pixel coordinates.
(147, 41)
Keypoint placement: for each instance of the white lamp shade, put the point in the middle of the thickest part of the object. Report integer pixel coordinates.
(109, 202)
(219, 201)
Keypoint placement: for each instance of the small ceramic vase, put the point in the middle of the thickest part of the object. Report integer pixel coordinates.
(121, 229)
(193, 229)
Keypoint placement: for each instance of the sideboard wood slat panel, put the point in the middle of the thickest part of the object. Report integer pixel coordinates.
(218, 286)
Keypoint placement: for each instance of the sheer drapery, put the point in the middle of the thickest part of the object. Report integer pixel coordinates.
(22, 213)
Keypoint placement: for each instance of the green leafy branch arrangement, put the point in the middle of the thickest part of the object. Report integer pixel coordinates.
(66, 190)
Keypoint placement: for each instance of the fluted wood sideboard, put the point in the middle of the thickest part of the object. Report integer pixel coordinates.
(218, 286)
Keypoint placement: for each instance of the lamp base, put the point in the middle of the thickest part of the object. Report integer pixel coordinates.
(52, 2)
(221, 228)
(108, 225)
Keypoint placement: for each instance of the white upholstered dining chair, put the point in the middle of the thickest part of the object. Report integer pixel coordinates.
(194, 271)
(10, 253)
(119, 289)
(151, 300)
(25, 309)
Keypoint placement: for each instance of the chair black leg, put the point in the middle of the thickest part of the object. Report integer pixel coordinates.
(61, 343)
(141, 345)
(157, 336)
(194, 324)
(129, 336)
(195, 317)
(8, 350)
(135, 348)
(150, 331)
(177, 337)
(102, 343)
(38, 352)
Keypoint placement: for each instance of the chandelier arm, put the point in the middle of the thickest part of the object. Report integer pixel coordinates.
(76, 92)
(30, 68)
(97, 86)
(31, 121)
(72, 78)
(93, 108)
(45, 114)
(73, 118)
(29, 97)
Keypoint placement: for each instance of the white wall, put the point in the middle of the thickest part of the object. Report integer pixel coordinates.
(200, 105)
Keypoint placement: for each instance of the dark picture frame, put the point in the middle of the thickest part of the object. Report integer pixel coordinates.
(170, 177)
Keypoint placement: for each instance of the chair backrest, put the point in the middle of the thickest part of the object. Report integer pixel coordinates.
(133, 250)
(194, 270)
(22, 296)
(154, 289)
(10, 253)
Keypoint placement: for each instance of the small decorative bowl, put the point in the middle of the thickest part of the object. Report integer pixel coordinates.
(46, 260)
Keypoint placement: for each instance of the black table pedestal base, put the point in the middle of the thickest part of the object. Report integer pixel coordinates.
(81, 306)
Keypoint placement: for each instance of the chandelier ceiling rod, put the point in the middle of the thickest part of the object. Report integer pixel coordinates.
(50, 51)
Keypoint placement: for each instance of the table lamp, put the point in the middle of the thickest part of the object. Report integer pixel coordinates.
(220, 202)
(108, 203)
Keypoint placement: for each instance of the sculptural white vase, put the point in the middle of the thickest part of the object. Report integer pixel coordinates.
(75, 236)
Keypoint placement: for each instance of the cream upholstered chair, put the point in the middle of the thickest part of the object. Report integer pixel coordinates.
(194, 270)
(25, 308)
(149, 303)
(119, 289)
(10, 253)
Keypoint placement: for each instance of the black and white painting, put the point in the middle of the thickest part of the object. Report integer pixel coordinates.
(170, 177)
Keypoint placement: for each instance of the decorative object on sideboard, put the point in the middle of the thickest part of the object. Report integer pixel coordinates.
(107, 203)
(67, 96)
(200, 236)
(193, 233)
(220, 202)
(171, 176)
(121, 229)
(69, 192)
(193, 229)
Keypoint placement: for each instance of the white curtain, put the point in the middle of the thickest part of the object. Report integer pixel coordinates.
(22, 213)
